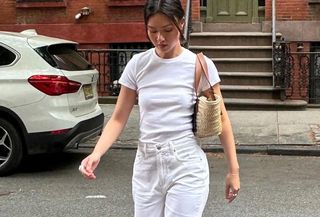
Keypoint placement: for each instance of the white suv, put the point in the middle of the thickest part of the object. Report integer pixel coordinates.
(48, 97)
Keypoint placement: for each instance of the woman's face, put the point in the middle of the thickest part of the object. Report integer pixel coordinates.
(164, 35)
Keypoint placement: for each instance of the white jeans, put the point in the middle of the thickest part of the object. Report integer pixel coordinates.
(170, 179)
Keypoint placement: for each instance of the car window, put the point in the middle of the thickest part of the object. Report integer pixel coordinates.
(64, 56)
(6, 56)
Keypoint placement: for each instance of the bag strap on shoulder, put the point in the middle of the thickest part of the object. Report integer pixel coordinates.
(202, 68)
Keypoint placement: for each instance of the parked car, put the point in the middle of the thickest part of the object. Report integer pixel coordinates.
(48, 97)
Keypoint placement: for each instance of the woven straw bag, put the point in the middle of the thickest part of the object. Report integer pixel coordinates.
(207, 111)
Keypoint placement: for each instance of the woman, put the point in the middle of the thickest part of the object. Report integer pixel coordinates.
(170, 175)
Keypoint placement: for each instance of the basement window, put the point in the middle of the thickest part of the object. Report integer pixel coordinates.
(41, 3)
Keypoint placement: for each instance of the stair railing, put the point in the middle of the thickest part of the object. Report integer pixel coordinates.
(282, 63)
(274, 21)
(187, 24)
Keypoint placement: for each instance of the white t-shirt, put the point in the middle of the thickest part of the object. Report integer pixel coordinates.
(166, 96)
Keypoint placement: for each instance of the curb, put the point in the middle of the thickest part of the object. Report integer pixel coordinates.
(290, 150)
(267, 149)
(293, 150)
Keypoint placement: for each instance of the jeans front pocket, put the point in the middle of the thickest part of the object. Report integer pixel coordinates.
(188, 151)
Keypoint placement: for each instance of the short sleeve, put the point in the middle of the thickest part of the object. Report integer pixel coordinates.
(213, 75)
(128, 77)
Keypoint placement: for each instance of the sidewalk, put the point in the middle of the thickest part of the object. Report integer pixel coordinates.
(269, 132)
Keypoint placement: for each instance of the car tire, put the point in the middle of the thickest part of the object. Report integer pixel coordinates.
(11, 151)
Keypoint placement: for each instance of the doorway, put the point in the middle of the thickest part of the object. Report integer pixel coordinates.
(236, 11)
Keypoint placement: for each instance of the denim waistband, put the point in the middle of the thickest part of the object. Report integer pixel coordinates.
(170, 145)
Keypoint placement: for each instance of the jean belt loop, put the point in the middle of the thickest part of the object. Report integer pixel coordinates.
(171, 146)
(145, 149)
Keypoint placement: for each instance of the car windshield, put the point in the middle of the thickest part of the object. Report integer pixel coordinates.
(65, 57)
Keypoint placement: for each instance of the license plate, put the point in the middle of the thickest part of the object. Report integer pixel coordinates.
(88, 93)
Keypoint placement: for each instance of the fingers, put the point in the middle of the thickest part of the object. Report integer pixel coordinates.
(232, 187)
(86, 172)
(86, 169)
(231, 191)
(231, 195)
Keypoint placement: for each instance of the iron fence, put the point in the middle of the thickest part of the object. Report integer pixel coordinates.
(298, 68)
(110, 63)
(314, 96)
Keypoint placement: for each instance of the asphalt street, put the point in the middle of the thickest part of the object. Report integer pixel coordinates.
(50, 185)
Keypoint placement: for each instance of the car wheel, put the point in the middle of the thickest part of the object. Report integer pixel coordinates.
(10, 148)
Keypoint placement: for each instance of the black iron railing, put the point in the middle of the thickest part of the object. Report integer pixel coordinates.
(314, 83)
(282, 63)
(298, 68)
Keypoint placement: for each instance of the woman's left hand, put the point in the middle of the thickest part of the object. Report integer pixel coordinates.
(232, 186)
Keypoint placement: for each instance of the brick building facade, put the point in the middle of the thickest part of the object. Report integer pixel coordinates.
(121, 21)
(110, 21)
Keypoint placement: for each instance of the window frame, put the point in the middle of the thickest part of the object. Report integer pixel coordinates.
(125, 3)
(41, 4)
(68, 55)
(314, 1)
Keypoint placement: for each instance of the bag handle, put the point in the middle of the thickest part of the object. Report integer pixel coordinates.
(202, 68)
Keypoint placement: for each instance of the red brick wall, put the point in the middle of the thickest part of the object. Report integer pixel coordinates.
(111, 20)
(195, 9)
(8, 12)
(293, 10)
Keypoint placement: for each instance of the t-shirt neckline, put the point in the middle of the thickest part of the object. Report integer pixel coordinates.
(180, 56)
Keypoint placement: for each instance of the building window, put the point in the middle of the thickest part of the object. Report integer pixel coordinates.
(314, 1)
(127, 3)
(40, 3)
(40, 0)
(261, 3)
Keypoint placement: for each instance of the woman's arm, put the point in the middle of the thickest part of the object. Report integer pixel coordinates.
(226, 137)
(111, 131)
(118, 120)
(228, 143)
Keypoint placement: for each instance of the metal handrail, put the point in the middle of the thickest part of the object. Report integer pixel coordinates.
(186, 24)
(274, 21)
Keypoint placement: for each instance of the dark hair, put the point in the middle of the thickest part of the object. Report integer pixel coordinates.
(171, 8)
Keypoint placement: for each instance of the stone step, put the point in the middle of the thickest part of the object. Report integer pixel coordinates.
(241, 59)
(243, 64)
(234, 51)
(231, 27)
(264, 104)
(250, 92)
(246, 78)
(231, 39)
